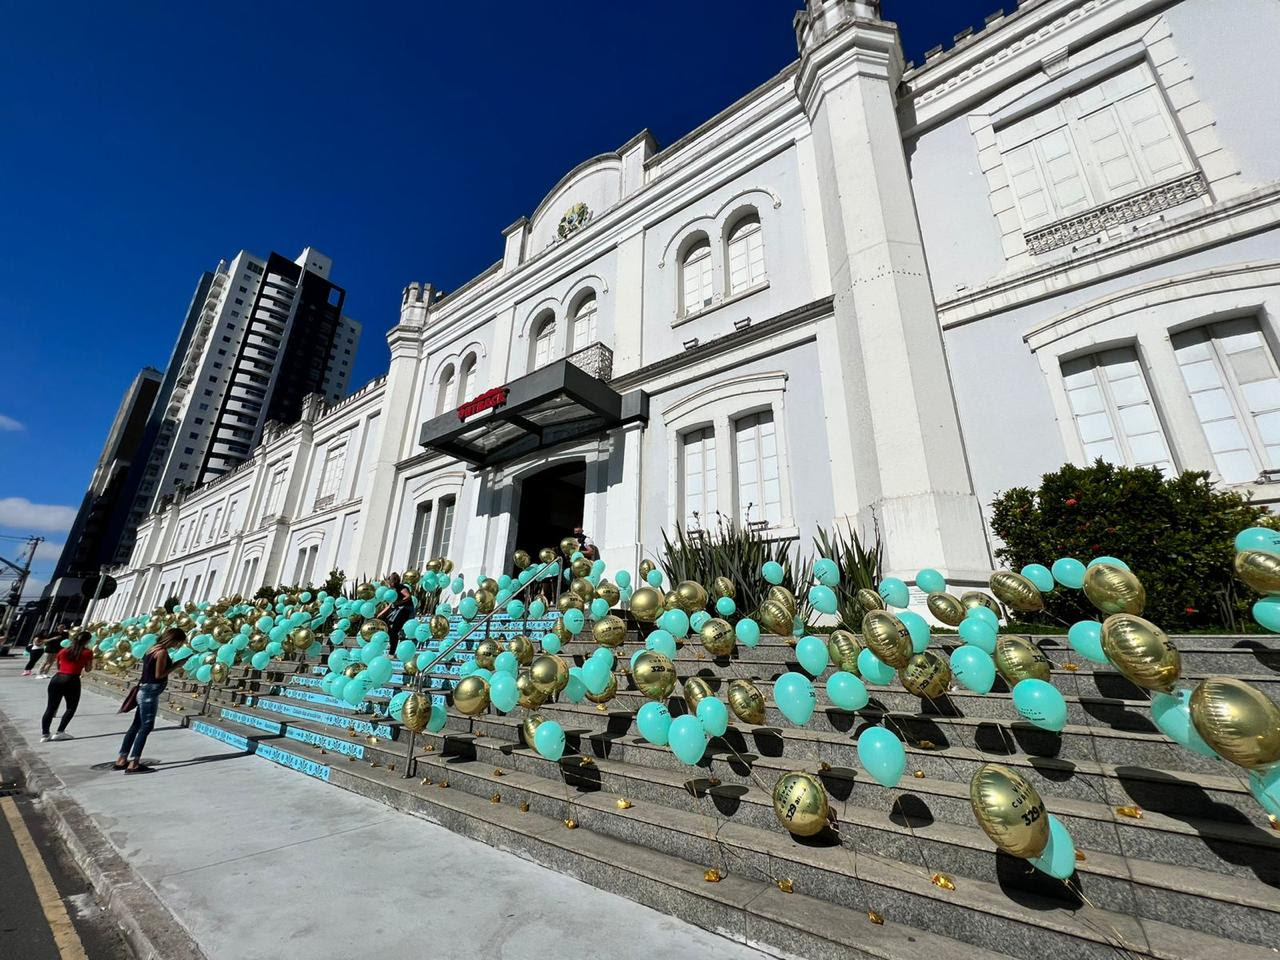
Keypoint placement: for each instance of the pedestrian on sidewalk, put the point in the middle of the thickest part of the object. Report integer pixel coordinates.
(65, 685)
(52, 647)
(156, 667)
(35, 650)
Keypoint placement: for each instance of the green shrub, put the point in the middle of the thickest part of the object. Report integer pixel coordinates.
(1175, 533)
(860, 567)
(732, 551)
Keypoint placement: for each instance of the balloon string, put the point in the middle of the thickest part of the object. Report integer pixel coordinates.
(1120, 943)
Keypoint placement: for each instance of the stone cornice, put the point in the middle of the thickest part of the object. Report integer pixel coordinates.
(858, 48)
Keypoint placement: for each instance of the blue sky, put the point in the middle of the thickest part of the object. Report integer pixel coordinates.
(141, 143)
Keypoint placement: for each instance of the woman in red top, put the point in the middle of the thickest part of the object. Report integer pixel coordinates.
(65, 685)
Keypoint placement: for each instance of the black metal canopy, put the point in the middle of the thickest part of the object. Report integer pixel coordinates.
(556, 404)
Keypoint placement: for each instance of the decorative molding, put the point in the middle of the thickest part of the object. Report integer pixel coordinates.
(574, 219)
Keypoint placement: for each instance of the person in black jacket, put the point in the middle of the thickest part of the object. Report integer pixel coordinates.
(396, 613)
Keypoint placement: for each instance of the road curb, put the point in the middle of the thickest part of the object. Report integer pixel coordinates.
(150, 928)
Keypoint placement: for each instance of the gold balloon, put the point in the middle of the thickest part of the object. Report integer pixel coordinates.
(561, 631)
(926, 675)
(785, 597)
(976, 598)
(646, 604)
(1018, 659)
(300, 638)
(1016, 591)
(581, 567)
(486, 652)
(220, 672)
(530, 726)
(887, 637)
(869, 600)
(746, 701)
(354, 669)
(670, 601)
(446, 565)
(1113, 589)
(522, 647)
(546, 555)
(531, 695)
(370, 627)
(695, 690)
(365, 591)
(485, 601)
(471, 695)
(609, 631)
(522, 560)
(609, 593)
(1238, 721)
(654, 674)
(646, 567)
(439, 626)
(1141, 651)
(222, 632)
(691, 596)
(569, 601)
(723, 587)
(718, 637)
(416, 712)
(410, 667)
(608, 693)
(584, 589)
(569, 546)
(844, 646)
(411, 577)
(562, 673)
(800, 803)
(1009, 811)
(946, 608)
(544, 673)
(488, 583)
(1259, 570)
(776, 618)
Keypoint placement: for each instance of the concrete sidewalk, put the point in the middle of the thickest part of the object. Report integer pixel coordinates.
(259, 863)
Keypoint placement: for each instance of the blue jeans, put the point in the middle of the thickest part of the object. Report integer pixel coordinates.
(144, 718)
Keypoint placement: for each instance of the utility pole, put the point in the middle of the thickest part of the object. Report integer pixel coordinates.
(22, 569)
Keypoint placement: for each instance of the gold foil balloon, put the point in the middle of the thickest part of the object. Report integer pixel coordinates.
(800, 803)
(220, 672)
(410, 667)
(746, 701)
(608, 693)
(1141, 651)
(1259, 570)
(1113, 589)
(544, 673)
(411, 577)
(370, 627)
(546, 555)
(353, 669)
(530, 726)
(581, 567)
(1009, 810)
(471, 695)
(843, 646)
(522, 560)
(561, 631)
(486, 652)
(887, 637)
(488, 583)
(609, 631)
(485, 601)
(670, 601)
(654, 674)
(691, 596)
(562, 673)
(1240, 722)
(415, 712)
(609, 593)
(300, 638)
(976, 598)
(695, 690)
(783, 596)
(646, 604)
(926, 675)
(365, 591)
(531, 695)
(723, 587)
(718, 637)
(569, 546)
(522, 647)
(776, 618)
(583, 589)
(946, 608)
(439, 626)
(869, 600)
(646, 567)
(569, 601)
(1016, 591)
(446, 565)
(1018, 659)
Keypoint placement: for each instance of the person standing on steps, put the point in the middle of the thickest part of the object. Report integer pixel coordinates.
(396, 613)
(156, 667)
(65, 685)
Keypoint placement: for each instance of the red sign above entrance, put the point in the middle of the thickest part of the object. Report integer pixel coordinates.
(497, 397)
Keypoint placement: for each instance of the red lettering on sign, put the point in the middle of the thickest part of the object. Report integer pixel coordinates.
(497, 397)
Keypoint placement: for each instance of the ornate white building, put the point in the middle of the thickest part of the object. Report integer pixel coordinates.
(867, 291)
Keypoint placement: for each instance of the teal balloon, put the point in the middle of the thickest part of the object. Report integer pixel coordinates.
(501, 598)
(1039, 575)
(603, 655)
(826, 571)
(538, 609)
(747, 631)
(467, 608)
(506, 662)
(714, 716)
(444, 609)
(139, 650)
(918, 627)
(985, 614)
(226, 654)
(515, 609)
(548, 740)
(424, 658)
(1267, 613)
(931, 581)
(1085, 638)
(265, 623)
(1069, 572)
(338, 686)
(793, 693)
(599, 607)
(725, 607)
(973, 667)
(439, 717)
(260, 660)
(1110, 561)
(205, 673)
(405, 649)
(468, 668)
(355, 690)
(368, 609)
(772, 572)
(1172, 715)
(894, 592)
(823, 598)
(574, 620)
(873, 669)
(654, 578)
(575, 690)
(395, 708)
(846, 691)
(653, 720)
(698, 619)
(812, 654)
(380, 670)
(457, 586)
(597, 568)
(551, 643)
(636, 656)
(688, 739)
(675, 622)
(1265, 787)
(482, 672)
(1058, 858)
(1263, 539)
(978, 633)
(595, 674)
(1041, 703)
(623, 578)
(882, 755)
(503, 692)
(663, 642)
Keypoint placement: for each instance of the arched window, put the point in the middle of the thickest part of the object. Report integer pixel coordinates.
(445, 395)
(695, 276)
(745, 254)
(584, 323)
(544, 341)
(467, 390)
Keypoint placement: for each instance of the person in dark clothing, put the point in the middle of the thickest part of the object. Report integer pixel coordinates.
(396, 613)
(65, 685)
(52, 645)
(35, 650)
(156, 667)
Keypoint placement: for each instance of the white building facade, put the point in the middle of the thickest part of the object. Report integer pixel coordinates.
(866, 294)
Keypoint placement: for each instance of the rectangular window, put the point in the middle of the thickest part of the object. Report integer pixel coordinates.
(746, 256)
(698, 469)
(1106, 141)
(331, 474)
(275, 493)
(759, 485)
(310, 570)
(195, 588)
(696, 278)
(421, 536)
(1113, 412)
(1231, 375)
(298, 567)
(444, 530)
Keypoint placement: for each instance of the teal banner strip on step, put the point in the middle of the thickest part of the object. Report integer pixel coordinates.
(293, 761)
(329, 719)
(217, 733)
(345, 747)
(249, 720)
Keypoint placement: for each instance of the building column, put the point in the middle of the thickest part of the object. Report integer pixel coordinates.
(618, 540)
(894, 407)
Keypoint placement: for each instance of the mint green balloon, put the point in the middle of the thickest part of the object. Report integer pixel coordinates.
(503, 692)
(918, 627)
(439, 717)
(714, 716)
(1041, 703)
(575, 690)
(1058, 858)
(846, 691)
(793, 693)
(974, 668)
(725, 607)
(873, 669)
(663, 642)
(653, 720)
(812, 653)
(1267, 613)
(599, 607)
(1172, 714)
(551, 643)
(688, 739)
(882, 755)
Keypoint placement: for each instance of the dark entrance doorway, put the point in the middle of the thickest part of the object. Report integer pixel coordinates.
(550, 506)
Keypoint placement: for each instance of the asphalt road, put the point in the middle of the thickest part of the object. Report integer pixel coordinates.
(26, 932)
